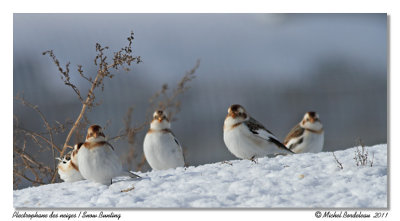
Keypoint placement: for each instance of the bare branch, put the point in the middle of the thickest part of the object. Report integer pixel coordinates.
(101, 60)
(80, 70)
(36, 135)
(64, 73)
(142, 163)
(339, 164)
(121, 59)
(105, 63)
(171, 102)
(165, 101)
(26, 156)
(361, 156)
(25, 177)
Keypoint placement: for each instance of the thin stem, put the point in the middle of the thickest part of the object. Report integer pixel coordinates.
(96, 82)
(25, 177)
(34, 134)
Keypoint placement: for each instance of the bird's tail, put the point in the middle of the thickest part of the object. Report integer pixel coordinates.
(130, 174)
(281, 146)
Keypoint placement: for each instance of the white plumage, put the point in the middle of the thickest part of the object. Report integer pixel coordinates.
(97, 160)
(306, 136)
(67, 170)
(246, 138)
(161, 148)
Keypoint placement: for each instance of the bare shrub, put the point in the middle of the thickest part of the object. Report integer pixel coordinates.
(361, 156)
(169, 100)
(164, 99)
(27, 165)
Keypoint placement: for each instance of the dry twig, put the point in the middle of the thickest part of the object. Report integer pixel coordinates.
(128, 189)
(27, 165)
(361, 156)
(339, 164)
(22, 160)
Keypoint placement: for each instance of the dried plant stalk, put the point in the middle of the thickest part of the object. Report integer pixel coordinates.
(338, 163)
(27, 165)
(361, 156)
(23, 162)
(160, 100)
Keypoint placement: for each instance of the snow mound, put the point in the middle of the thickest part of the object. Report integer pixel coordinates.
(296, 181)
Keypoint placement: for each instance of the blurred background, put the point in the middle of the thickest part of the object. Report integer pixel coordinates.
(278, 66)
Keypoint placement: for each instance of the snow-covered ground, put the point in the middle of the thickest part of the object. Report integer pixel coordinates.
(297, 181)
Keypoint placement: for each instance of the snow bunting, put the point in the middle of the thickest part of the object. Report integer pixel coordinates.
(246, 138)
(161, 148)
(69, 171)
(97, 160)
(306, 136)
(74, 153)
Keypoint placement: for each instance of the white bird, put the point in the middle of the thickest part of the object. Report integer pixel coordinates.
(246, 138)
(74, 154)
(161, 148)
(306, 136)
(97, 160)
(67, 169)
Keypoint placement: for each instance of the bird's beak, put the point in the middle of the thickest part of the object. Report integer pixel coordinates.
(232, 114)
(312, 120)
(160, 119)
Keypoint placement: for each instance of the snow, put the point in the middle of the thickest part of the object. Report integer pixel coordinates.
(309, 180)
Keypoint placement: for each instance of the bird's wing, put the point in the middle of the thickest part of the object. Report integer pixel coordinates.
(168, 131)
(109, 145)
(254, 126)
(180, 152)
(296, 132)
(177, 142)
(259, 130)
